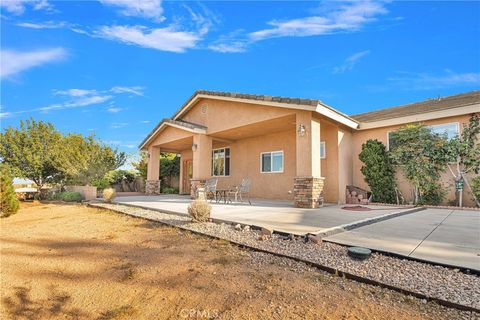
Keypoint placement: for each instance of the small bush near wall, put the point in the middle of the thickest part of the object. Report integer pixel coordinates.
(8, 199)
(67, 196)
(109, 194)
(199, 210)
(476, 187)
(169, 190)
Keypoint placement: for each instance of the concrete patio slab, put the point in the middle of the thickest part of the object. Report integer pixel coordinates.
(275, 214)
(450, 237)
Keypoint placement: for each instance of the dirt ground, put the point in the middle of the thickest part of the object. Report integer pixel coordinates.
(74, 262)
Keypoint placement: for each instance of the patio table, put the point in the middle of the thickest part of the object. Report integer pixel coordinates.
(223, 194)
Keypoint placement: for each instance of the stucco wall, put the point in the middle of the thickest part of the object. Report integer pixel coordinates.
(380, 134)
(245, 163)
(220, 115)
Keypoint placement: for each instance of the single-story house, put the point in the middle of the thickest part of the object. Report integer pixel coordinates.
(290, 148)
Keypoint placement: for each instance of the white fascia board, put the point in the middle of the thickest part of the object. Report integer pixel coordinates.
(475, 108)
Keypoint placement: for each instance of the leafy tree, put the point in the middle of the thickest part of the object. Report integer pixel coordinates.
(463, 155)
(8, 199)
(169, 165)
(421, 156)
(33, 151)
(378, 171)
(86, 160)
(37, 151)
(142, 164)
(118, 176)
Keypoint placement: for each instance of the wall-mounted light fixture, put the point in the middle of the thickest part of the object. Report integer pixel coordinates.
(194, 147)
(301, 130)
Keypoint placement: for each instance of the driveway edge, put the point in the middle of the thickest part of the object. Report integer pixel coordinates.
(357, 224)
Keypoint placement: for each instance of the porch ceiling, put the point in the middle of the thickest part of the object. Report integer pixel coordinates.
(177, 145)
(257, 129)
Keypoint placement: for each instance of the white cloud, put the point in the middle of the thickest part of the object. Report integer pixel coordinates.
(14, 62)
(427, 81)
(44, 25)
(118, 125)
(75, 92)
(81, 102)
(165, 39)
(151, 9)
(351, 61)
(229, 46)
(136, 90)
(18, 7)
(145, 121)
(348, 16)
(113, 109)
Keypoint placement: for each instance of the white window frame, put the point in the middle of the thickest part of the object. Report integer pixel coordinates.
(457, 124)
(230, 162)
(388, 140)
(271, 161)
(324, 150)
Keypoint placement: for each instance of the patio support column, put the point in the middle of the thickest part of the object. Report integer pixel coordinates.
(308, 182)
(202, 161)
(153, 171)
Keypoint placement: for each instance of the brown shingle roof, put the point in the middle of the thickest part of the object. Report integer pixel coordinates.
(442, 103)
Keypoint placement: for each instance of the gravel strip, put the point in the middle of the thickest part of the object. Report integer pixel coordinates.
(432, 281)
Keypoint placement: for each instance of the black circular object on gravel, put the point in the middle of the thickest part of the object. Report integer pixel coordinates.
(359, 252)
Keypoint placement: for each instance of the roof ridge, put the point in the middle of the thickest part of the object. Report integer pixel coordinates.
(418, 102)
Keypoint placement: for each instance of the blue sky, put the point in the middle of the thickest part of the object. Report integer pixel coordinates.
(117, 67)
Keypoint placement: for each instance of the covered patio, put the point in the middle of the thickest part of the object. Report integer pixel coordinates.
(278, 215)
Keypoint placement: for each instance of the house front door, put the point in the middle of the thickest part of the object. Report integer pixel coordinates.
(187, 175)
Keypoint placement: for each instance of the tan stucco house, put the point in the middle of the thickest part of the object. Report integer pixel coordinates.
(298, 149)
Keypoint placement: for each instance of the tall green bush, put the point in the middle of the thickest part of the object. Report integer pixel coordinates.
(378, 171)
(8, 199)
(476, 188)
(420, 154)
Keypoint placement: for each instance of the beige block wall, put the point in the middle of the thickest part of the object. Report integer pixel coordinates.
(360, 137)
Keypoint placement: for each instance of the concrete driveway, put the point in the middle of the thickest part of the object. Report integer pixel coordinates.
(450, 237)
(275, 214)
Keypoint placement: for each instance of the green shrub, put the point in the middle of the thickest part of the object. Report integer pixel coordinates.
(109, 194)
(68, 196)
(378, 171)
(117, 176)
(170, 190)
(101, 183)
(476, 187)
(199, 210)
(8, 198)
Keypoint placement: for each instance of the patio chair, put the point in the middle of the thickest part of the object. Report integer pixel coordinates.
(211, 188)
(242, 190)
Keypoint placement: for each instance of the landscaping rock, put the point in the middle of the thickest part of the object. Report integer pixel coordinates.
(246, 228)
(266, 231)
(238, 227)
(314, 239)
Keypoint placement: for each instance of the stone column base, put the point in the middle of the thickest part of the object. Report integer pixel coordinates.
(152, 187)
(194, 185)
(308, 192)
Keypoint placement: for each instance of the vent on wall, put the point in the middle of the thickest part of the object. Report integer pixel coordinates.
(204, 109)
